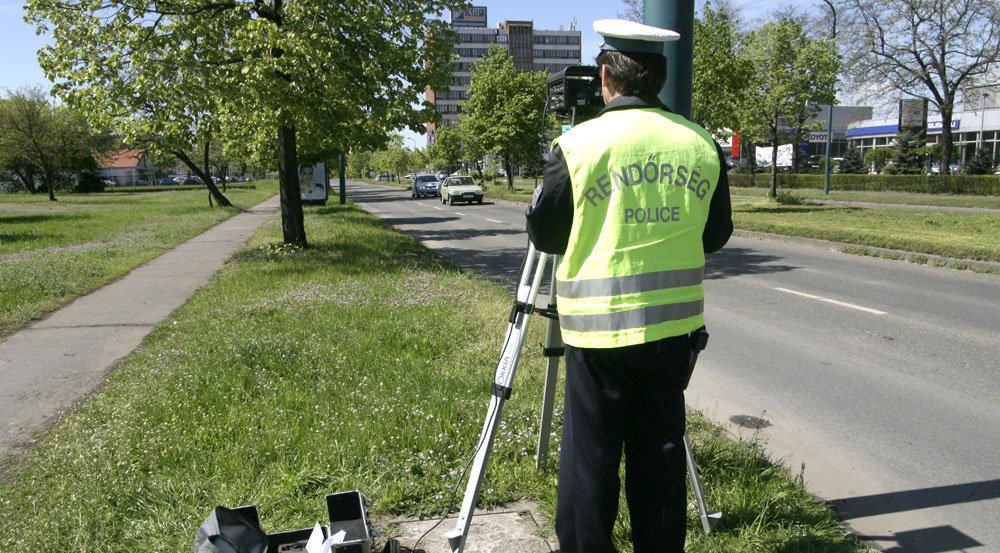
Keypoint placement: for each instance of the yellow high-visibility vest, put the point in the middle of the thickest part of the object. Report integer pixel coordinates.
(642, 180)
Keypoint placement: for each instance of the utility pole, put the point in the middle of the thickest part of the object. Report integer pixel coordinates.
(677, 16)
(829, 116)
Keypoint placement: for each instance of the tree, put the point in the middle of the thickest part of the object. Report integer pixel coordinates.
(906, 158)
(791, 72)
(447, 148)
(920, 47)
(721, 73)
(853, 163)
(268, 77)
(43, 142)
(633, 10)
(981, 163)
(878, 157)
(503, 112)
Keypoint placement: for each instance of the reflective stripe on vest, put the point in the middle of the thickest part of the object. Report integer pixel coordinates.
(629, 284)
(635, 318)
(632, 273)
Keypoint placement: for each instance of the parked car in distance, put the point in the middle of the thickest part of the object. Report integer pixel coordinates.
(461, 189)
(425, 185)
(408, 176)
(169, 181)
(441, 175)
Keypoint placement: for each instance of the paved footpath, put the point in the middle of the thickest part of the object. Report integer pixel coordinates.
(49, 366)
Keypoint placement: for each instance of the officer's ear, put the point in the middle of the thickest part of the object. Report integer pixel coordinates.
(607, 86)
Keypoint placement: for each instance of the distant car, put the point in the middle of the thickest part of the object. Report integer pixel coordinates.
(441, 175)
(461, 189)
(408, 176)
(425, 185)
(384, 177)
(168, 181)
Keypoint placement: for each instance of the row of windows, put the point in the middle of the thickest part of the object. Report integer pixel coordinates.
(448, 108)
(557, 54)
(502, 38)
(477, 38)
(537, 53)
(557, 39)
(451, 95)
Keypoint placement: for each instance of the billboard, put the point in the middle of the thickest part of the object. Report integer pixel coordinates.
(472, 17)
(913, 115)
(313, 183)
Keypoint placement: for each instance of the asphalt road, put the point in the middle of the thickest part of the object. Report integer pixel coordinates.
(874, 379)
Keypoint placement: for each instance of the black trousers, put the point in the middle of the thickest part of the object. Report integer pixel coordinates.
(629, 398)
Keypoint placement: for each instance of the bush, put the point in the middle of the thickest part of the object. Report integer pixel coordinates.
(972, 185)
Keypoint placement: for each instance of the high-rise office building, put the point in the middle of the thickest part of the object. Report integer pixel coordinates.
(531, 50)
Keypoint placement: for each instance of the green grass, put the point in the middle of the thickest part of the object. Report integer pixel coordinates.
(53, 252)
(943, 200)
(300, 372)
(959, 235)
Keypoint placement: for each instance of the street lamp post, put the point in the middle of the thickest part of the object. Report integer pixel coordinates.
(982, 121)
(829, 116)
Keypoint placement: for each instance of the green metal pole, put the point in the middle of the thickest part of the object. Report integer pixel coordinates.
(677, 16)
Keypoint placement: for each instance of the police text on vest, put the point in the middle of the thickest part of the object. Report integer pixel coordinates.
(643, 215)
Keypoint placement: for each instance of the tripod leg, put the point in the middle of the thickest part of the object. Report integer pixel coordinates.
(708, 520)
(553, 350)
(502, 382)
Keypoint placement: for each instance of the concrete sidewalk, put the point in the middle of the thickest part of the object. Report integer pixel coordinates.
(46, 368)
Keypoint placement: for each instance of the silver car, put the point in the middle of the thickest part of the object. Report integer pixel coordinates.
(425, 185)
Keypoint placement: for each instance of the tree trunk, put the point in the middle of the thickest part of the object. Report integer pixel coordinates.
(773, 193)
(221, 199)
(946, 142)
(292, 224)
(510, 173)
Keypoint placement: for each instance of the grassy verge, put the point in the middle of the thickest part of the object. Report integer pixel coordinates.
(943, 200)
(959, 235)
(296, 373)
(53, 252)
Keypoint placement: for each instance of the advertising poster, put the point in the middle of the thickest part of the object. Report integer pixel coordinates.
(313, 183)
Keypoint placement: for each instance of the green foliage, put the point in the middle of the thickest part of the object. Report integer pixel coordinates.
(981, 163)
(853, 163)
(503, 114)
(791, 73)
(447, 148)
(878, 157)
(721, 74)
(44, 146)
(906, 159)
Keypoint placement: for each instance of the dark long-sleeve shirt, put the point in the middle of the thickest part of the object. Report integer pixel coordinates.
(550, 215)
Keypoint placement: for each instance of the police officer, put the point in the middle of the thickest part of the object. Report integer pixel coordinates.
(631, 200)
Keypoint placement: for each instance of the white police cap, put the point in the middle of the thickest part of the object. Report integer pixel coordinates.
(621, 35)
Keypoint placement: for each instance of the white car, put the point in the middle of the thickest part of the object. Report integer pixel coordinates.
(461, 189)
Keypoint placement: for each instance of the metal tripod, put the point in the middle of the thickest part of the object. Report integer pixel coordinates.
(524, 305)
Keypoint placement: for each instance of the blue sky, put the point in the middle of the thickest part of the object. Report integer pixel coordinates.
(19, 44)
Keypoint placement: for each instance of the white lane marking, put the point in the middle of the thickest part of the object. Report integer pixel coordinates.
(459, 213)
(835, 302)
(437, 207)
(495, 221)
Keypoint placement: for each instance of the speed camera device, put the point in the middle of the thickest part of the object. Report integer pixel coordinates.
(575, 90)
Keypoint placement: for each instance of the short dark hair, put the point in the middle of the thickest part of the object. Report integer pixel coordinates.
(635, 74)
